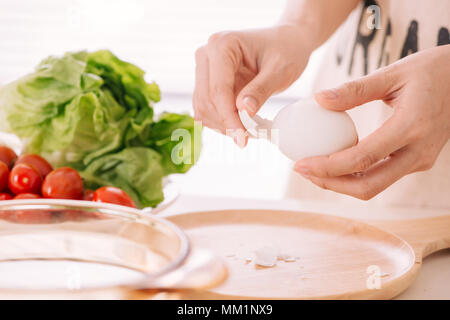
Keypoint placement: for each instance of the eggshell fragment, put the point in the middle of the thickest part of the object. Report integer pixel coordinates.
(286, 257)
(283, 256)
(257, 127)
(266, 256)
(249, 123)
(290, 259)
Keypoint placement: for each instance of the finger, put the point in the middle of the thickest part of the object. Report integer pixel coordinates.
(201, 84)
(204, 110)
(391, 136)
(243, 77)
(375, 86)
(222, 70)
(212, 125)
(367, 185)
(257, 91)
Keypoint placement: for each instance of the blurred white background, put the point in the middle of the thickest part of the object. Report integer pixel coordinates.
(161, 38)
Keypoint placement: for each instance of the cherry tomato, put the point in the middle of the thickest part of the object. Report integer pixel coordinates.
(7, 155)
(72, 215)
(24, 179)
(88, 195)
(40, 164)
(94, 215)
(63, 183)
(5, 215)
(4, 176)
(31, 216)
(27, 196)
(5, 196)
(113, 195)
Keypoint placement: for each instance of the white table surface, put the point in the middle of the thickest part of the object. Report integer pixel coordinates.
(433, 281)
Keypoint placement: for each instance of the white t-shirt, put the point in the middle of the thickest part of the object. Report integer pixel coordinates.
(356, 49)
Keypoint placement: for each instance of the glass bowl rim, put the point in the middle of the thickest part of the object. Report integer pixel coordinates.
(185, 246)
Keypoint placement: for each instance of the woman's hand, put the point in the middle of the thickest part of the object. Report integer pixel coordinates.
(418, 88)
(242, 69)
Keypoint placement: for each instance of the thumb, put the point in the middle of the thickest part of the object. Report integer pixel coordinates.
(375, 86)
(257, 91)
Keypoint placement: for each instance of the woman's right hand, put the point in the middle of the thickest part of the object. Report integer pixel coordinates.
(241, 70)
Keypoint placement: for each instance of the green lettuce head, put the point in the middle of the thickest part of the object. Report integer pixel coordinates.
(95, 113)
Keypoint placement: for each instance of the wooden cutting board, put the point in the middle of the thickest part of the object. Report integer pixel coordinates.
(335, 258)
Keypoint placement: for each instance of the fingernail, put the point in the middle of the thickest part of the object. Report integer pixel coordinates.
(303, 171)
(329, 94)
(250, 104)
(239, 142)
(240, 138)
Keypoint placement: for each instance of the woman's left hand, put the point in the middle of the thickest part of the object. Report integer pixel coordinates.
(418, 89)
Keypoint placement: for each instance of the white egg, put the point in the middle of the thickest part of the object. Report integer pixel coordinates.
(305, 129)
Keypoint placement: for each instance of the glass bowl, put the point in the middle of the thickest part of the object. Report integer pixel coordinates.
(62, 247)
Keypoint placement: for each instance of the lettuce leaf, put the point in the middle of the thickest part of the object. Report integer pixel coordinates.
(135, 170)
(177, 138)
(95, 113)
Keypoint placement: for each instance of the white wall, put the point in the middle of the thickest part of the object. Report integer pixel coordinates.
(161, 37)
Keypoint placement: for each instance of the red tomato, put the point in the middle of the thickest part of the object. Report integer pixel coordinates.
(113, 195)
(32, 216)
(63, 183)
(72, 215)
(4, 176)
(24, 179)
(5, 215)
(40, 164)
(94, 215)
(7, 155)
(88, 195)
(27, 196)
(5, 196)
